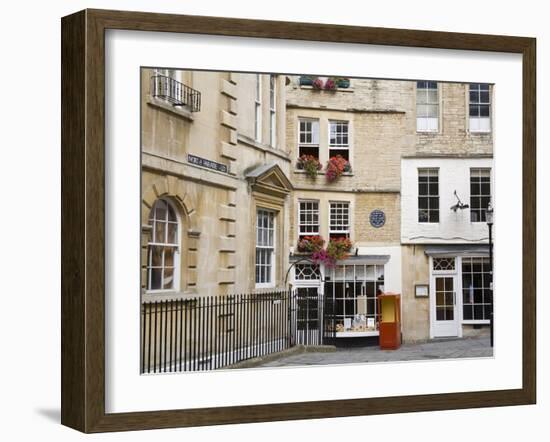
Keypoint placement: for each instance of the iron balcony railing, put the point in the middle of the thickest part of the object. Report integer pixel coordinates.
(166, 88)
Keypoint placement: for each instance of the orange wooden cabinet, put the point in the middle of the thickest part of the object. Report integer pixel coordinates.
(389, 309)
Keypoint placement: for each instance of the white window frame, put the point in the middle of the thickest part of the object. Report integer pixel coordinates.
(258, 109)
(177, 251)
(315, 134)
(273, 110)
(339, 205)
(479, 124)
(479, 171)
(300, 233)
(339, 146)
(425, 123)
(273, 248)
(429, 171)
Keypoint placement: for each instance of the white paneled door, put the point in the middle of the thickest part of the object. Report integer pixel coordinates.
(444, 314)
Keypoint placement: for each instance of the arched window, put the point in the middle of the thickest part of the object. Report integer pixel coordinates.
(163, 248)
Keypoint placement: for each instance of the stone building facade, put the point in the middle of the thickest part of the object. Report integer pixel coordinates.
(221, 183)
(212, 156)
(445, 252)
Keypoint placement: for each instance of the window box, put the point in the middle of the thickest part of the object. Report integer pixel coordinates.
(337, 166)
(309, 164)
(310, 244)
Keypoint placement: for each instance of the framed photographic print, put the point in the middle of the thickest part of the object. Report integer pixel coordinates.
(243, 219)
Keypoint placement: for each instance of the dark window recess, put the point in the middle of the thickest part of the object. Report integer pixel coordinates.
(343, 152)
(309, 150)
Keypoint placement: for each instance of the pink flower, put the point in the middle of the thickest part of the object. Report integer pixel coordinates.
(318, 83)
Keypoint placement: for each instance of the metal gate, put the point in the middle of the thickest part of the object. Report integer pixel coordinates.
(313, 315)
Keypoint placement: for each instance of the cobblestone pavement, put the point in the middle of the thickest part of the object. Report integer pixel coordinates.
(437, 349)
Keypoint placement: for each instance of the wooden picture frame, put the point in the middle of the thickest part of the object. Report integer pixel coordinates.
(83, 216)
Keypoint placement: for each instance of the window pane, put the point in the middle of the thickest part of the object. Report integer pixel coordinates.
(155, 259)
(172, 233)
(433, 203)
(169, 257)
(155, 279)
(168, 278)
(432, 111)
(484, 110)
(171, 213)
(160, 232)
(432, 96)
(422, 110)
(160, 210)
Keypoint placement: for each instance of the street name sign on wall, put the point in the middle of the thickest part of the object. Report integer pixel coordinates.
(203, 162)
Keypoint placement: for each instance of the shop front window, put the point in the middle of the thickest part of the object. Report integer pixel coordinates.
(476, 289)
(353, 290)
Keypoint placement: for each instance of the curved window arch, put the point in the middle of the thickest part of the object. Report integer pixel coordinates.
(163, 248)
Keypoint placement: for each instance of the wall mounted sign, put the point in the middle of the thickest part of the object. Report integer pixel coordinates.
(377, 218)
(421, 290)
(203, 162)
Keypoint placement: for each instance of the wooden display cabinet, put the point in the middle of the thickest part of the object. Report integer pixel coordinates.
(389, 308)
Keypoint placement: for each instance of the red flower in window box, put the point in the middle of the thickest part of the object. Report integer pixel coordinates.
(318, 84)
(337, 249)
(309, 164)
(311, 244)
(336, 166)
(330, 85)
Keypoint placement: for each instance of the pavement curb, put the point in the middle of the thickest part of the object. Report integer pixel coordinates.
(296, 350)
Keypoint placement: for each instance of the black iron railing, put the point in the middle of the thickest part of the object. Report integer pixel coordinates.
(207, 333)
(166, 88)
(211, 332)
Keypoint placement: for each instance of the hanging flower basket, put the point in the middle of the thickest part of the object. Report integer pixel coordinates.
(337, 249)
(336, 166)
(322, 257)
(309, 164)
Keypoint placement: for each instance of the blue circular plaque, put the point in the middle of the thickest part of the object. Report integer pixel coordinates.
(377, 218)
